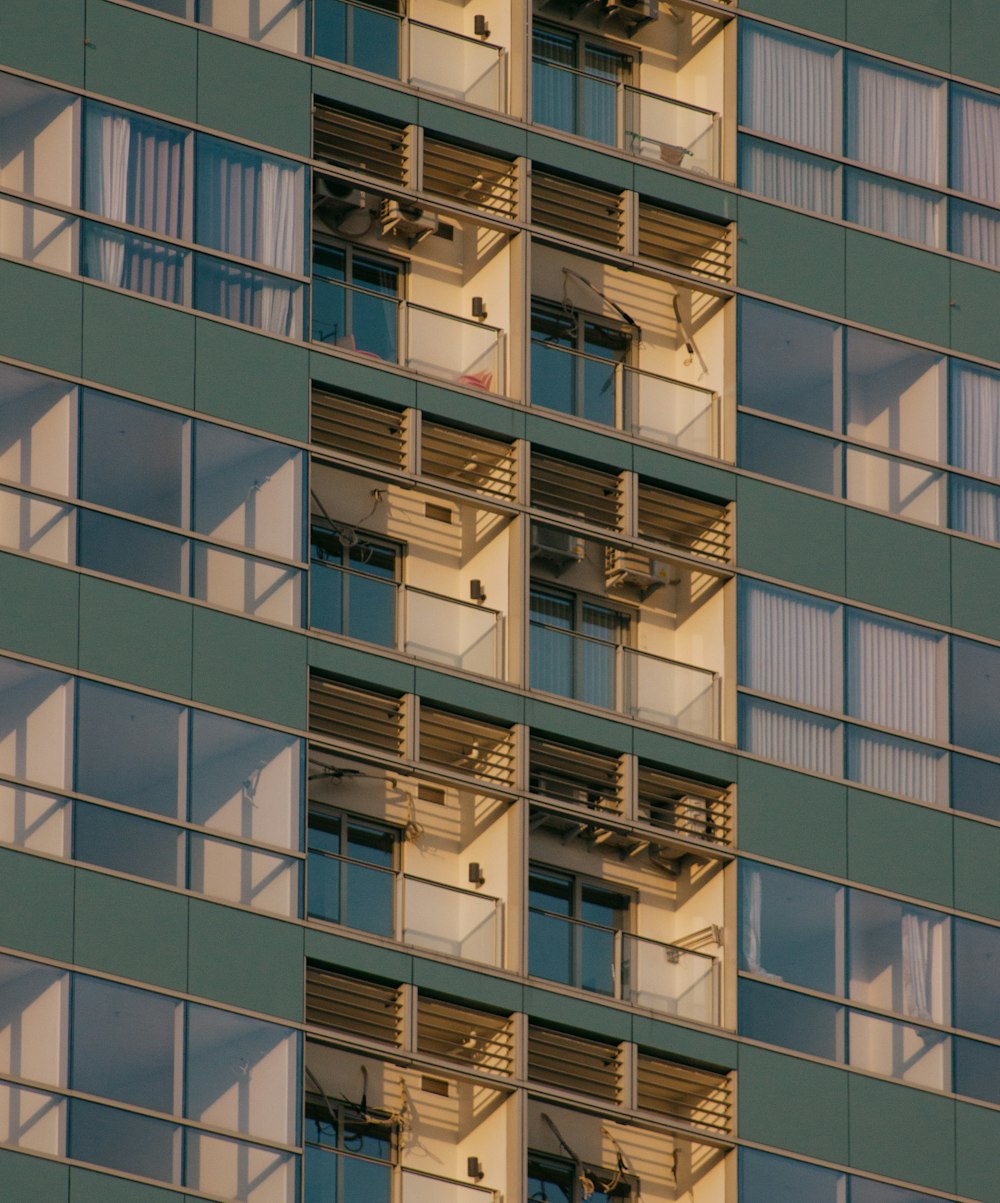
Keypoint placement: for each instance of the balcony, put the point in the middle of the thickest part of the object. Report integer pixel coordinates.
(458, 65)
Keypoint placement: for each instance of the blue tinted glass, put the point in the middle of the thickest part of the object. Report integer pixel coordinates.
(133, 552)
(375, 42)
(371, 609)
(768, 1179)
(795, 1021)
(788, 454)
(113, 840)
(553, 377)
(975, 786)
(122, 1140)
(324, 886)
(369, 899)
(977, 1070)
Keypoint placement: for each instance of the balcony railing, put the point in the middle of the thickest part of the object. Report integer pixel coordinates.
(419, 1187)
(444, 630)
(424, 56)
(425, 914)
(611, 112)
(382, 327)
(651, 688)
(653, 407)
(605, 960)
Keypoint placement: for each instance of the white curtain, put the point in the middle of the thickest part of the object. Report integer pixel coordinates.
(916, 939)
(975, 444)
(892, 208)
(893, 675)
(897, 766)
(751, 919)
(791, 89)
(791, 646)
(975, 232)
(109, 136)
(895, 120)
(804, 741)
(975, 143)
(790, 176)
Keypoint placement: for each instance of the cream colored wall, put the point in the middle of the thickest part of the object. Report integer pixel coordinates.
(39, 141)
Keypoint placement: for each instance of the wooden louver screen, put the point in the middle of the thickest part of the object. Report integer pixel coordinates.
(575, 1063)
(341, 711)
(573, 207)
(461, 173)
(358, 428)
(467, 745)
(476, 1038)
(579, 491)
(573, 774)
(472, 460)
(690, 243)
(685, 1093)
(689, 808)
(347, 139)
(688, 523)
(351, 1004)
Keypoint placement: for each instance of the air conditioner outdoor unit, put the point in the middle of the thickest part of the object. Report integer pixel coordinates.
(407, 220)
(633, 12)
(632, 568)
(341, 207)
(559, 548)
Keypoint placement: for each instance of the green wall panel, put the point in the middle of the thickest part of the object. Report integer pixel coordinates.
(790, 257)
(791, 817)
(441, 402)
(251, 379)
(44, 325)
(902, 1133)
(792, 536)
(977, 879)
(901, 567)
(355, 956)
(975, 46)
(602, 1023)
(247, 960)
(467, 986)
(977, 1138)
(684, 473)
(975, 587)
(36, 905)
(24, 1178)
(975, 298)
(493, 704)
(688, 1043)
(367, 97)
(136, 345)
(362, 378)
(562, 439)
(900, 847)
(132, 930)
(829, 17)
(921, 33)
(139, 59)
(53, 46)
(135, 636)
(898, 288)
(379, 672)
(575, 725)
(250, 668)
(472, 128)
(684, 755)
(590, 165)
(39, 609)
(793, 1104)
(687, 193)
(88, 1186)
(255, 94)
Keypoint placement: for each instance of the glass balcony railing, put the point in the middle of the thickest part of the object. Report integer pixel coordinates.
(444, 630)
(647, 973)
(426, 914)
(431, 1188)
(653, 407)
(651, 688)
(424, 56)
(383, 327)
(613, 113)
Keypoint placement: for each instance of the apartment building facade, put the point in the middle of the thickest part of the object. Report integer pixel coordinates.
(519, 487)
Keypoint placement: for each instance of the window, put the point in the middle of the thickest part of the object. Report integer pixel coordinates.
(558, 1180)
(574, 362)
(352, 872)
(365, 36)
(355, 302)
(353, 585)
(574, 646)
(347, 1155)
(572, 930)
(575, 83)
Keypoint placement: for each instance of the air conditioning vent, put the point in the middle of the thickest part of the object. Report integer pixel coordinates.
(557, 548)
(633, 13)
(408, 221)
(630, 568)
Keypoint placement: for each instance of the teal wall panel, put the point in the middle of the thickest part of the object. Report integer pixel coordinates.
(36, 905)
(379, 672)
(493, 704)
(575, 725)
(790, 256)
(885, 1120)
(468, 986)
(602, 1023)
(135, 636)
(440, 402)
(139, 59)
(355, 956)
(131, 930)
(830, 17)
(977, 1138)
(791, 536)
(975, 587)
(974, 301)
(793, 1104)
(136, 345)
(977, 855)
(88, 1186)
(899, 288)
(590, 165)
(975, 45)
(39, 609)
(921, 34)
(684, 473)
(255, 94)
(367, 97)
(684, 755)
(563, 439)
(53, 47)
(791, 817)
(477, 130)
(898, 566)
(879, 829)
(247, 960)
(45, 324)
(339, 373)
(690, 1044)
(248, 667)
(676, 189)
(24, 1178)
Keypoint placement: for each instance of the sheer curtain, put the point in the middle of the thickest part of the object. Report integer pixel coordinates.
(975, 232)
(790, 176)
(975, 143)
(893, 675)
(106, 191)
(751, 919)
(897, 209)
(553, 84)
(791, 89)
(975, 444)
(895, 120)
(898, 766)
